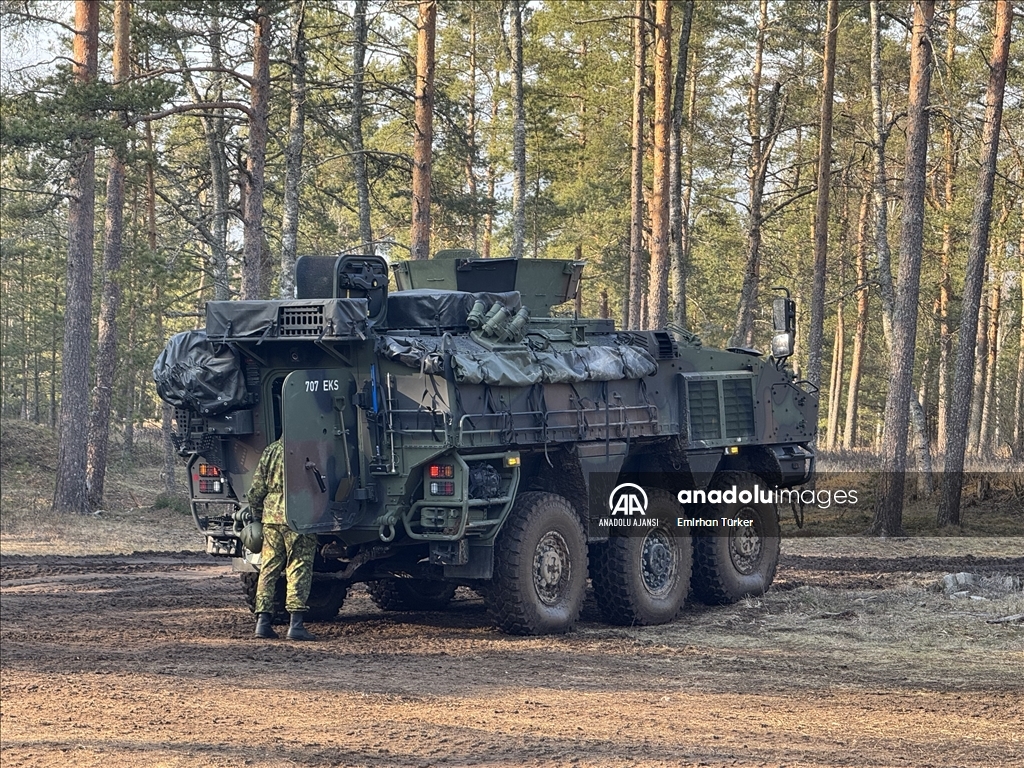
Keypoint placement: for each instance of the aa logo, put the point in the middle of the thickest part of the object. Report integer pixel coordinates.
(628, 499)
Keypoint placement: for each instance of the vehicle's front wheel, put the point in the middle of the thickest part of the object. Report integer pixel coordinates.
(734, 562)
(540, 567)
(644, 578)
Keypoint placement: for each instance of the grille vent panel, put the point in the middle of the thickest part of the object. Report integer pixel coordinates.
(705, 419)
(739, 407)
(301, 321)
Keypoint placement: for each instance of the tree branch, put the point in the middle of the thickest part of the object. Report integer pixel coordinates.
(195, 107)
(178, 71)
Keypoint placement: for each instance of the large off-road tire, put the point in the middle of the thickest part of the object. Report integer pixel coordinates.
(732, 563)
(411, 594)
(326, 597)
(540, 567)
(644, 578)
(249, 583)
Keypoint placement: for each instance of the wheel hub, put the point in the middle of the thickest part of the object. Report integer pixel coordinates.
(657, 562)
(552, 568)
(745, 546)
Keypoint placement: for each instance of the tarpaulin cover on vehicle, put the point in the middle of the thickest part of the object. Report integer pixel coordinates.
(442, 310)
(199, 373)
(520, 366)
(330, 318)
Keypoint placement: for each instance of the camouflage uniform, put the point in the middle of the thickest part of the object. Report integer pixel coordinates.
(283, 548)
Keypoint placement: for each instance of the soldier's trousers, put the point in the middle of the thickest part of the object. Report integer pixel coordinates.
(293, 552)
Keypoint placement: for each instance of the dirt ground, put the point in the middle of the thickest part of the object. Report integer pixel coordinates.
(854, 658)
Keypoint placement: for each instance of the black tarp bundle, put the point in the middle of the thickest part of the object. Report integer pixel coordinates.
(199, 374)
(519, 365)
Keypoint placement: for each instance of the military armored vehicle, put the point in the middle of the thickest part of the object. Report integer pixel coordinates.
(462, 431)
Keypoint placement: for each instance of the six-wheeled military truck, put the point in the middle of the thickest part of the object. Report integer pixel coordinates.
(460, 431)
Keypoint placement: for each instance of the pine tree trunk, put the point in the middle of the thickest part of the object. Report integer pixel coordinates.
(838, 367)
(36, 403)
(518, 130)
(215, 136)
(71, 492)
(471, 182)
(166, 411)
(986, 440)
(1018, 401)
(423, 136)
(679, 225)
(128, 449)
(761, 145)
(880, 185)
(925, 481)
(215, 129)
(359, 36)
(888, 517)
(950, 150)
(293, 152)
(835, 381)
(978, 381)
(54, 314)
(886, 290)
(861, 333)
(110, 302)
(816, 333)
(657, 297)
(952, 485)
(633, 318)
(253, 256)
(491, 176)
(835, 389)
(23, 326)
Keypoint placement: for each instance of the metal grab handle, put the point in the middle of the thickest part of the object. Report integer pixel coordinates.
(319, 477)
(810, 389)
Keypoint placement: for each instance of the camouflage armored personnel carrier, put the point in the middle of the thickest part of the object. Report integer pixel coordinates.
(457, 432)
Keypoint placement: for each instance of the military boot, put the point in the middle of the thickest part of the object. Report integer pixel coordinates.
(297, 631)
(263, 628)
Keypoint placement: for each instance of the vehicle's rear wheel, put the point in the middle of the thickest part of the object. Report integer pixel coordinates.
(325, 599)
(326, 596)
(540, 567)
(394, 594)
(734, 562)
(644, 578)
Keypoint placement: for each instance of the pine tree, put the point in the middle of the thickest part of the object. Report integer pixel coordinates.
(71, 493)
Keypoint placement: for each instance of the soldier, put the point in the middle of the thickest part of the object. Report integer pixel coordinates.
(283, 548)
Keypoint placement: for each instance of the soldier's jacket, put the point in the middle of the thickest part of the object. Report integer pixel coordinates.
(266, 494)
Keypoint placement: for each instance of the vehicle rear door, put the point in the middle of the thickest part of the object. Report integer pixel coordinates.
(318, 431)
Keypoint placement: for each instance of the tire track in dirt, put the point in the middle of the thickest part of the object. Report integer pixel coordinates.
(149, 659)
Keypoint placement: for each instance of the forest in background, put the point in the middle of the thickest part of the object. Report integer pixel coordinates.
(686, 150)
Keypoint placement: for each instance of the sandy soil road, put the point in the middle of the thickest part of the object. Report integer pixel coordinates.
(147, 660)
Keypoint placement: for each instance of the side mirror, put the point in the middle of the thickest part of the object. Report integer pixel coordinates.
(784, 314)
(784, 323)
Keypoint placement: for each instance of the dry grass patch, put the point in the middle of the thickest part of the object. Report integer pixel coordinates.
(992, 503)
(129, 522)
